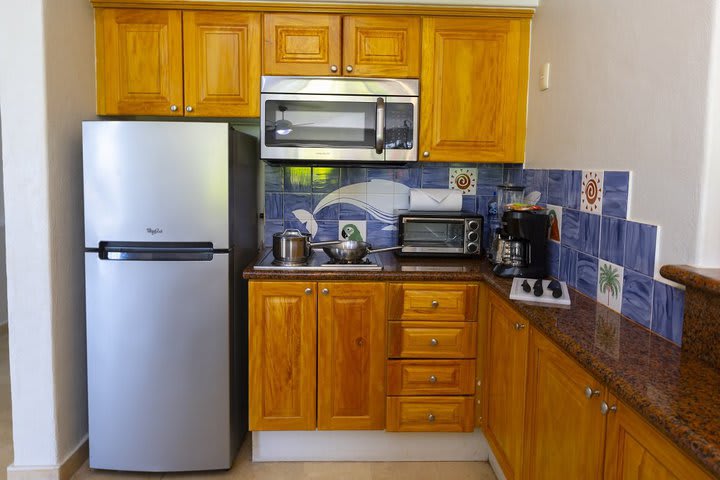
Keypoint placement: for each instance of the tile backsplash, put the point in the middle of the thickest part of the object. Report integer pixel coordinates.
(602, 252)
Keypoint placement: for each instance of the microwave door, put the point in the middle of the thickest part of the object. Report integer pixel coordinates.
(401, 129)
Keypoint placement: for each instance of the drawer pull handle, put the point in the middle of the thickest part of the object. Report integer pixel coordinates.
(308, 291)
(434, 304)
(519, 326)
(431, 417)
(432, 379)
(325, 291)
(589, 393)
(605, 408)
(434, 342)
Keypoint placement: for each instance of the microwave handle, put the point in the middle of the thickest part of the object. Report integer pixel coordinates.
(380, 130)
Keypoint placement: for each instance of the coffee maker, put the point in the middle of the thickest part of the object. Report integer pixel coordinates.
(520, 245)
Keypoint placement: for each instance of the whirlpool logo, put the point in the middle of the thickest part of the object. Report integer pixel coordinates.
(153, 231)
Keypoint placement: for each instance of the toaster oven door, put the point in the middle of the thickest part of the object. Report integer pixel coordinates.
(428, 235)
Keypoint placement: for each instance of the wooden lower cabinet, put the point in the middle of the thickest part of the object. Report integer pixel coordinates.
(634, 450)
(504, 384)
(351, 356)
(564, 430)
(432, 339)
(317, 355)
(430, 414)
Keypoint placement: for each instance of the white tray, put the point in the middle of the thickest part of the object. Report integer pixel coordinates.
(517, 292)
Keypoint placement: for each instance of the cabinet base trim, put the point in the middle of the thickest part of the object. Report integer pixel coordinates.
(495, 465)
(368, 446)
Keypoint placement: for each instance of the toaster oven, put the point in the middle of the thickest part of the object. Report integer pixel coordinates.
(445, 234)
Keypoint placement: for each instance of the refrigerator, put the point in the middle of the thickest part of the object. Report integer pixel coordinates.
(170, 222)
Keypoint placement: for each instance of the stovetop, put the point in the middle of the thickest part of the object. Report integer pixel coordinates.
(319, 261)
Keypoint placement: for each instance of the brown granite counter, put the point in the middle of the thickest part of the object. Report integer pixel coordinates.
(675, 392)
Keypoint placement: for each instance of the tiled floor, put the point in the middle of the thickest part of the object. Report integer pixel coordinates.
(244, 469)
(6, 452)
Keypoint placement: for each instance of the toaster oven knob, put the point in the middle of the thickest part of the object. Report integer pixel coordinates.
(473, 225)
(472, 247)
(472, 236)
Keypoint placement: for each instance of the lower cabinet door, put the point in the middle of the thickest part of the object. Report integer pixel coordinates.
(634, 450)
(282, 333)
(351, 356)
(564, 429)
(430, 414)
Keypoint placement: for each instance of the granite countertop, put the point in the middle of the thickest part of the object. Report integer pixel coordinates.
(675, 392)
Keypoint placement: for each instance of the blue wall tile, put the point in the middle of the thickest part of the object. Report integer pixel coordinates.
(615, 200)
(637, 297)
(351, 212)
(612, 240)
(640, 241)
(327, 230)
(512, 175)
(380, 238)
(274, 205)
(296, 201)
(435, 177)
(556, 187)
(410, 177)
(667, 311)
(568, 265)
(274, 178)
(325, 179)
(329, 212)
(490, 175)
(536, 180)
(553, 259)
(573, 179)
(271, 227)
(587, 274)
(469, 203)
(570, 235)
(486, 190)
(381, 174)
(351, 175)
(589, 233)
(298, 179)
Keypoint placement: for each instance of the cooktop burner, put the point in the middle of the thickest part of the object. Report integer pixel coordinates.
(319, 261)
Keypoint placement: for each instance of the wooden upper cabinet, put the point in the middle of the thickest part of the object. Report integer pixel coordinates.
(328, 45)
(564, 429)
(351, 356)
(282, 361)
(474, 89)
(506, 367)
(222, 63)
(301, 44)
(139, 62)
(381, 46)
(634, 450)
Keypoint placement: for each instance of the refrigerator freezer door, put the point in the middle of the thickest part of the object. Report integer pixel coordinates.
(156, 181)
(158, 364)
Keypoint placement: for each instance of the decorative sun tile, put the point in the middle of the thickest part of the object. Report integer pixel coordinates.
(352, 230)
(464, 179)
(610, 285)
(555, 214)
(592, 191)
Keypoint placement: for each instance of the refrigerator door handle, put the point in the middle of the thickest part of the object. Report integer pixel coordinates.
(156, 251)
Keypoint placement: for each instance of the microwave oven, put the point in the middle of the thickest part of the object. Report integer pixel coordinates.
(440, 234)
(324, 120)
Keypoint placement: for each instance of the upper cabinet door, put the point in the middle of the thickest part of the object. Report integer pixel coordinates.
(474, 89)
(301, 44)
(222, 64)
(139, 62)
(381, 46)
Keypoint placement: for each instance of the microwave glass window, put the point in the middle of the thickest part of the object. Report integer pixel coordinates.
(399, 126)
(434, 234)
(320, 124)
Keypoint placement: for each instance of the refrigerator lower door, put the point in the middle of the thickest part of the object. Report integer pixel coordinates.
(158, 364)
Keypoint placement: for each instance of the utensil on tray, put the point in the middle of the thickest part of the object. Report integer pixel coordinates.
(352, 251)
(292, 247)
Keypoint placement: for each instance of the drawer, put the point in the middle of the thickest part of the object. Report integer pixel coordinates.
(432, 339)
(430, 414)
(431, 377)
(453, 302)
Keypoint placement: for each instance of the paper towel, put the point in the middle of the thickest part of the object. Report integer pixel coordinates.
(435, 200)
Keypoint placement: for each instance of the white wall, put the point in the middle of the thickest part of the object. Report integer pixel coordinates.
(629, 83)
(46, 89)
(3, 276)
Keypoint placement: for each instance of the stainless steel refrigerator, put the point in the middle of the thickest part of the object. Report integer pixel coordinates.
(170, 221)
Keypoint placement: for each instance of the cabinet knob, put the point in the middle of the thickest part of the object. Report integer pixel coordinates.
(349, 68)
(431, 417)
(188, 108)
(173, 108)
(426, 154)
(589, 393)
(519, 326)
(308, 291)
(605, 408)
(333, 68)
(432, 379)
(434, 342)
(325, 291)
(434, 303)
